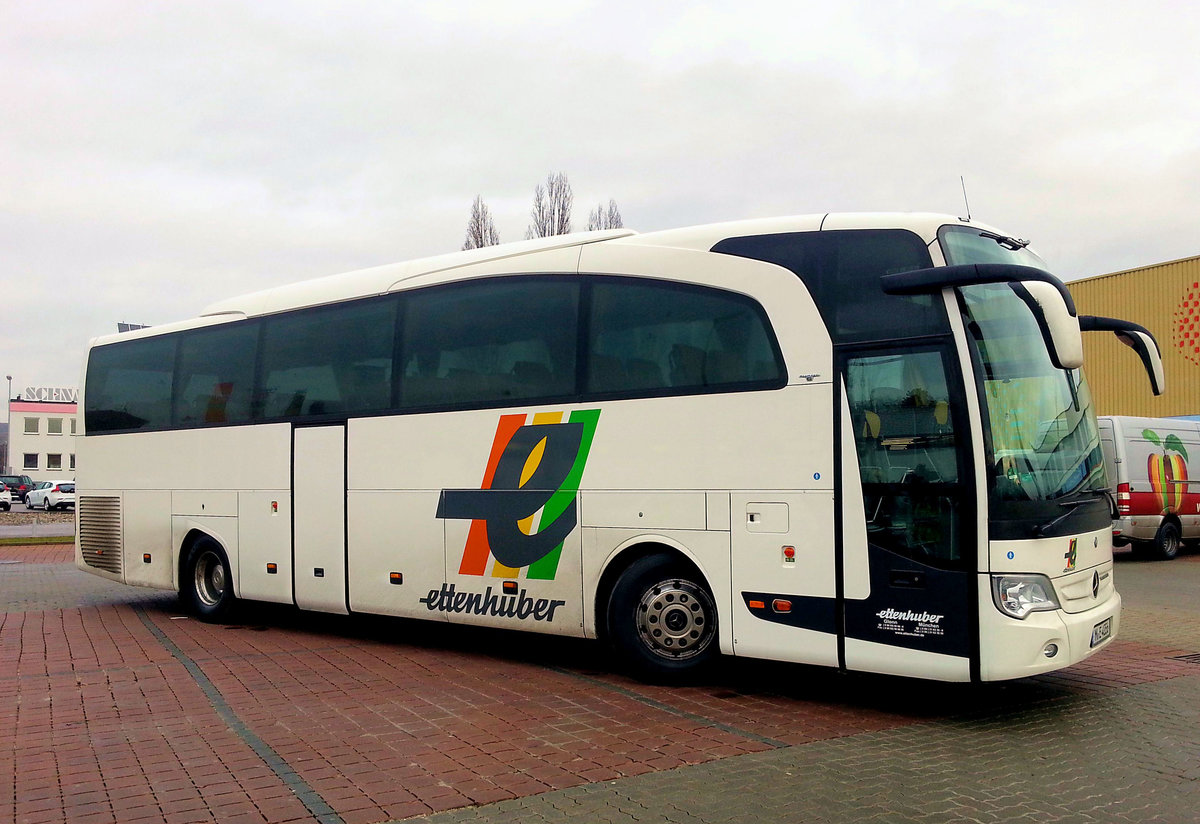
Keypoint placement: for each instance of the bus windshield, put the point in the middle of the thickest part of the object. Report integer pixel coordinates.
(1044, 441)
(966, 244)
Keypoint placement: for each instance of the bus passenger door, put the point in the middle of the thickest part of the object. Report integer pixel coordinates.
(908, 596)
(319, 517)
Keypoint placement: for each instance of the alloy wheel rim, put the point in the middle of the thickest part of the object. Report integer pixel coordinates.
(210, 579)
(675, 619)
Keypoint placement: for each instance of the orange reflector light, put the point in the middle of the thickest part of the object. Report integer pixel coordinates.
(780, 605)
(758, 605)
(396, 577)
(146, 558)
(272, 569)
(510, 586)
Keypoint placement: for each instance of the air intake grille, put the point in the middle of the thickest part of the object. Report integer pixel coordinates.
(100, 532)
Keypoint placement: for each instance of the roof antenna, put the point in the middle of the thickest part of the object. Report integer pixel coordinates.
(966, 219)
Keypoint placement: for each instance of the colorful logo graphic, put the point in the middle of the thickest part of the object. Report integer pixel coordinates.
(1183, 329)
(526, 507)
(1072, 554)
(1168, 473)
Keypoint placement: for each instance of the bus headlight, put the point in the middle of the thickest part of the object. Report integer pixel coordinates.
(1019, 595)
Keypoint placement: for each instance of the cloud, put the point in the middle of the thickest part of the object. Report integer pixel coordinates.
(157, 157)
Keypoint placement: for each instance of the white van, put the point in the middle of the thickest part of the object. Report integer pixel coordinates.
(1147, 464)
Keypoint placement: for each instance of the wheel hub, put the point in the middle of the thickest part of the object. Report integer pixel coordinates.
(675, 619)
(210, 579)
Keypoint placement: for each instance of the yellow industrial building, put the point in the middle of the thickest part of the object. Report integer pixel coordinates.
(1164, 298)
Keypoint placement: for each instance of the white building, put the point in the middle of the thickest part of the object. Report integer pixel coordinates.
(41, 439)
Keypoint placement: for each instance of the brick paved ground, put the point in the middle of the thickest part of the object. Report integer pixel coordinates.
(114, 707)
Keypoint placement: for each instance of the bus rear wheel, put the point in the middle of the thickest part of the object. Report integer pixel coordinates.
(207, 586)
(662, 621)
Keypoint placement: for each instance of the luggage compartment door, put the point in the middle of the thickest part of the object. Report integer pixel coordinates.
(319, 517)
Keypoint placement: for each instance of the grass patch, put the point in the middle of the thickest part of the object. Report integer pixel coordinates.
(37, 541)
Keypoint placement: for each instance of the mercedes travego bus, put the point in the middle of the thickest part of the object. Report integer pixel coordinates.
(855, 440)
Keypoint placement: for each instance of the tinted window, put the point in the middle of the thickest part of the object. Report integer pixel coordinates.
(965, 244)
(128, 385)
(489, 342)
(908, 452)
(842, 269)
(329, 361)
(648, 336)
(215, 381)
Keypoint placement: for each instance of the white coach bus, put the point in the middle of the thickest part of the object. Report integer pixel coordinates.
(855, 440)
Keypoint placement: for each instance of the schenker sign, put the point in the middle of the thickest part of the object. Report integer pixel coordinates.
(60, 394)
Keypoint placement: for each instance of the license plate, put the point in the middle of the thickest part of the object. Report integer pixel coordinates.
(1102, 631)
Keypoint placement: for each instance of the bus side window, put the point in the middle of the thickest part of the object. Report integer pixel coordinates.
(492, 342)
(129, 385)
(215, 378)
(648, 336)
(328, 361)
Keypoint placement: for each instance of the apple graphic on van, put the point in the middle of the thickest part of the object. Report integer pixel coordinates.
(1167, 469)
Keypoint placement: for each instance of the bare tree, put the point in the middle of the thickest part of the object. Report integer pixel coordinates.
(551, 210)
(481, 231)
(601, 218)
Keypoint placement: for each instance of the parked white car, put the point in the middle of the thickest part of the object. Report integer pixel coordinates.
(50, 495)
(5, 499)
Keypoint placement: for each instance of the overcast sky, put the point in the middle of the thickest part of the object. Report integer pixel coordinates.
(158, 156)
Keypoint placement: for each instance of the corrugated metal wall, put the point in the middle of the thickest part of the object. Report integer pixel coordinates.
(1165, 298)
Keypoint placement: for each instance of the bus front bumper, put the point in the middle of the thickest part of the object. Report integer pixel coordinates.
(1017, 648)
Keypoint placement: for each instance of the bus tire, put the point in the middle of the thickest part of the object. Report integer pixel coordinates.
(207, 585)
(1166, 541)
(662, 621)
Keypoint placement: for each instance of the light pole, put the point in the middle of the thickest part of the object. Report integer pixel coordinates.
(8, 440)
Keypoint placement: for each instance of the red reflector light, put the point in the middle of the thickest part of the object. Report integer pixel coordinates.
(780, 605)
(789, 552)
(758, 605)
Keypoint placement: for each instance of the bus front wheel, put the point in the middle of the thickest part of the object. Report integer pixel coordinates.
(207, 583)
(662, 621)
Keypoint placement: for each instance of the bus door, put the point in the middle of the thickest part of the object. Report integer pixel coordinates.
(908, 597)
(319, 517)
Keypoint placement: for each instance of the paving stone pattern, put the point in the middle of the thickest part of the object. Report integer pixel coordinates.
(114, 707)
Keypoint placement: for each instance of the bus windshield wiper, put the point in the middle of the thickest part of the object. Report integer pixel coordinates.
(1011, 243)
(1041, 530)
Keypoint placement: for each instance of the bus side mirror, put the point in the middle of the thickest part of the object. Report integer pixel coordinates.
(1137, 338)
(1044, 294)
(1060, 327)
